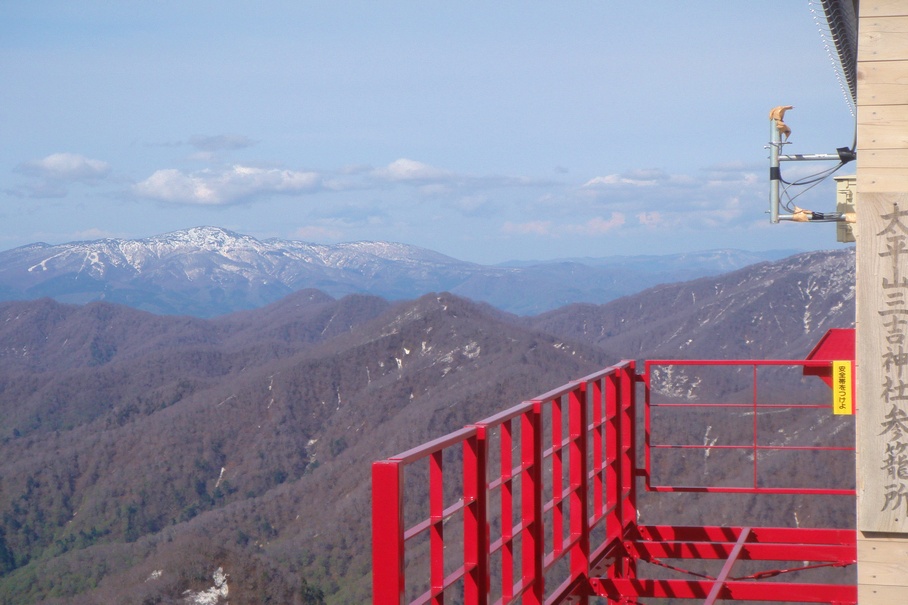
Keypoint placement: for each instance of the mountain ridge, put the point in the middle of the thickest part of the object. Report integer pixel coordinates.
(765, 301)
(210, 271)
(139, 453)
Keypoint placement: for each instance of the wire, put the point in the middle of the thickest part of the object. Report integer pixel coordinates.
(809, 182)
(838, 27)
(837, 23)
(846, 155)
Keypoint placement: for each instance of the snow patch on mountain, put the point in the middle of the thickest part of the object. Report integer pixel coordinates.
(211, 596)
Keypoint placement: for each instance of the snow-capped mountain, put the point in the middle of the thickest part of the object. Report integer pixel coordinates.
(208, 271)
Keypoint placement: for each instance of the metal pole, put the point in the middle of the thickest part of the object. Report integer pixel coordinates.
(805, 157)
(775, 143)
(532, 538)
(388, 585)
(475, 518)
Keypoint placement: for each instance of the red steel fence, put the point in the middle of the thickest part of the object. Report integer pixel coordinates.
(750, 440)
(539, 503)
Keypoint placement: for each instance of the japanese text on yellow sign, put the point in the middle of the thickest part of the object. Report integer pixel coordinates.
(842, 402)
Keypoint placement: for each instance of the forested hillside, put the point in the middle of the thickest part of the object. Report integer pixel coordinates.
(141, 453)
(135, 443)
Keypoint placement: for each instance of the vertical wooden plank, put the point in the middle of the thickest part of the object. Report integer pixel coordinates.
(882, 278)
(883, 561)
(884, 8)
(881, 371)
(883, 82)
(880, 595)
(882, 348)
(882, 38)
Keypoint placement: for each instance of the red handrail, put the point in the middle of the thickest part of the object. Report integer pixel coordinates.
(754, 407)
(545, 493)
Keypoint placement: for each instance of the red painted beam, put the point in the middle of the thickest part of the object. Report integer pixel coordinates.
(619, 588)
(827, 553)
(718, 533)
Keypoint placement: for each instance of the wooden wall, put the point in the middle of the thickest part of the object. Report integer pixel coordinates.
(882, 303)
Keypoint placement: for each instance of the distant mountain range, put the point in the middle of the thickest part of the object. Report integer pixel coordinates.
(769, 310)
(208, 271)
(139, 453)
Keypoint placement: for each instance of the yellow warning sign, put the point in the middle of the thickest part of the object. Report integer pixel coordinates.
(842, 402)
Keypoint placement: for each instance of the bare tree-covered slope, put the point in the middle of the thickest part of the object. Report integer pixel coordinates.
(768, 310)
(141, 453)
(133, 443)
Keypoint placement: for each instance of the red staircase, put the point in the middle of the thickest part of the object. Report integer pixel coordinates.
(540, 504)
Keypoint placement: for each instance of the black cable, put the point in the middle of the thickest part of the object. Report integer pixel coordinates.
(819, 176)
(812, 180)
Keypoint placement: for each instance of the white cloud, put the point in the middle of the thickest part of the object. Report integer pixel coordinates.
(599, 181)
(230, 186)
(636, 178)
(719, 196)
(403, 170)
(427, 181)
(66, 167)
(640, 178)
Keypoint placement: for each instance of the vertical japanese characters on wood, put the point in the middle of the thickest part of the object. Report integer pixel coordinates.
(883, 363)
(893, 314)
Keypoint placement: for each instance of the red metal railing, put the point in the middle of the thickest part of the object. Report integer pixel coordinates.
(538, 504)
(748, 403)
(561, 438)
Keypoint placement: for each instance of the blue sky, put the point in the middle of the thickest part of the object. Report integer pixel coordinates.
(486, 131)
